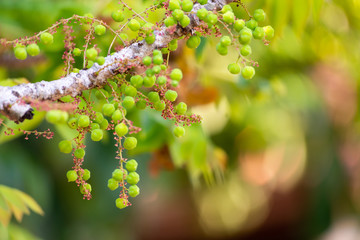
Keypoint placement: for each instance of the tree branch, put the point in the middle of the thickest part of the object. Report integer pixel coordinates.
(11, 98)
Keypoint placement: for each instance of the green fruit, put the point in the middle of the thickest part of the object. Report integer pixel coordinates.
(259, 15)
(185, 21)
(252, 24)
(149, 81)
(90, 64)
(33, 49)
(130, 91)
(20, 53)
(163, 67)
(71, 175)
(137, 81)
(141, 104)
(156, 69)
(229, 17)
(83, 121)
(99, 117)
(245, 50)
(211, 19)
(161, 80)
(119, 174)
(85, 189)
(128, 102)
(147, 28)
(79, 153)
(86, 174)
(104, 124)
(97, 135)
(149, 72)
(234, 68)
(171, 95)
(131, 165)
(170, 21)
(121, 203)
(118, 16)
(221, 49)
(156, 52)
(130, 143)
(133, 191)
(248, 72)
(91, 54)
(53, 116)
(181, 108)
(176, 74)
(202, 2)
(193, 42)
(202, 13)
(174, 4)
(178, 14)
(154, 97)
(259, 33)
(158, 59)
(239, 25)
(134, 25)
(159, 105)
(225, 41)
(100, 60)
(65, 146)
(112, 184)
(77, 52)
(245, 36)
(94, 126)
(187, 5)
(108, 109)
(100, 30)
(72, 123)
(150, 39)
(76, 70)
(226, 8)
(121, 129)
(46, 38)
(173, 45)
(133, 178)
(179, 131)
(147, 60)
(117, 116)
(269, 32)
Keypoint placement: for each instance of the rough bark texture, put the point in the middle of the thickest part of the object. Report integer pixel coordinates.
(12, 106)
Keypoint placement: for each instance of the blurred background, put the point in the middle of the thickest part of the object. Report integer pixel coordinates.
(276, 157)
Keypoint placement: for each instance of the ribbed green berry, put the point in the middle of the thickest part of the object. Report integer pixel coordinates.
(119, 174)
(33, 49)
(72, 123)
(141, 104)
(137, 81)
(128, 102)
(225, 41)
(185, 21)
(202, 13)
(71, 175)
(245, 36)
(121, 203)
(149, 81)
(239, 25)
(226, 8)
(53, 116)
(269, 32)
(130, 91)
(131, 165)
(46, 38)
(171, 95)
(86, 188)
(193, 41)
(252, 24)
(174, 4)
(147, 28)
(118, 16)
(234, 68)
(158, 59)
(86, 174)
(94, 126)
(100, 60)
(181, 108)
(211, 19)
(83, 121)
(77, 52)
(179, 131)
(130, 143)
(221, 49)
(90, 64)
(156, 69)
(176, 74)
(163, 67)
(161, 80)
(170, 21)
(259, 15)
(108, 109)
(20, 53)
(245, 50)
(100, 30)
(174, 83)
(75, 70)
(99, 117)
(65, 146)
(133, 190)
(187, 5)
(104, 124)
(154, 97)
(150, 39)
(134, 25)
(202, 2)
(178, 14)
(229, 17)
(97, 135)
(248, 72)
(147, 60)
(133, 178)
(159, 105)
(173, 45)
(112, 184)
(121, 129)
(156, 52)
(117, 116)
(259, 33)
(91, 54)
(79, 153)
(149, 72)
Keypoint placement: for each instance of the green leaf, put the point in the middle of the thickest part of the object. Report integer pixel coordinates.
(30, 202)
(13, 82)
(13, 199)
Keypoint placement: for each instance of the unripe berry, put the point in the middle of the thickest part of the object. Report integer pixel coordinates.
(130, 143)
(118, 16)
(149, 81)
(234, 68)
(108, 109)
(158, 59)
(225, 41)
(117, 116)
(178, 14)
(187, 5)
(54, 116)
(83, 121)
(181, 108)
(72, 123)
(245, 50)
(157, 52)
(130, 91)
(121, 129)
(86, 188)
(202, 13)
(133, 178)
(239, 25)
(202, 2)
(128, 102)
(141, 104)
(137, 80)
(100, 30)
(65, 146)
(91, 54)
(169, 21)
(248, 72)
(161, 80)
(156, 69)
(252, 24)
(112, 184)
(46, 38)
(71, 175)
(245, 36)
(174, 4)
(221, 49)
(226, 8)
(94, 126)
(90, 64)
(97, 135)
(269, 32)
(99, 117)
(134, 25)
(121, 203)
(211, 19)
(79, 153)
(173, 45)
(179, 131)
(150, 39)
(193, 42)
(185, 21)
(171, 95)
(153, 97)
(134, 190)
(20, 53)
(259, 33)
(159, 105)
(229, 17)
(100, 60)
(259, 15)
(119, 174)
(176, 74)
(33, 49)
(104, 124)
(131, 165)
(77, 52)
(86, 174)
